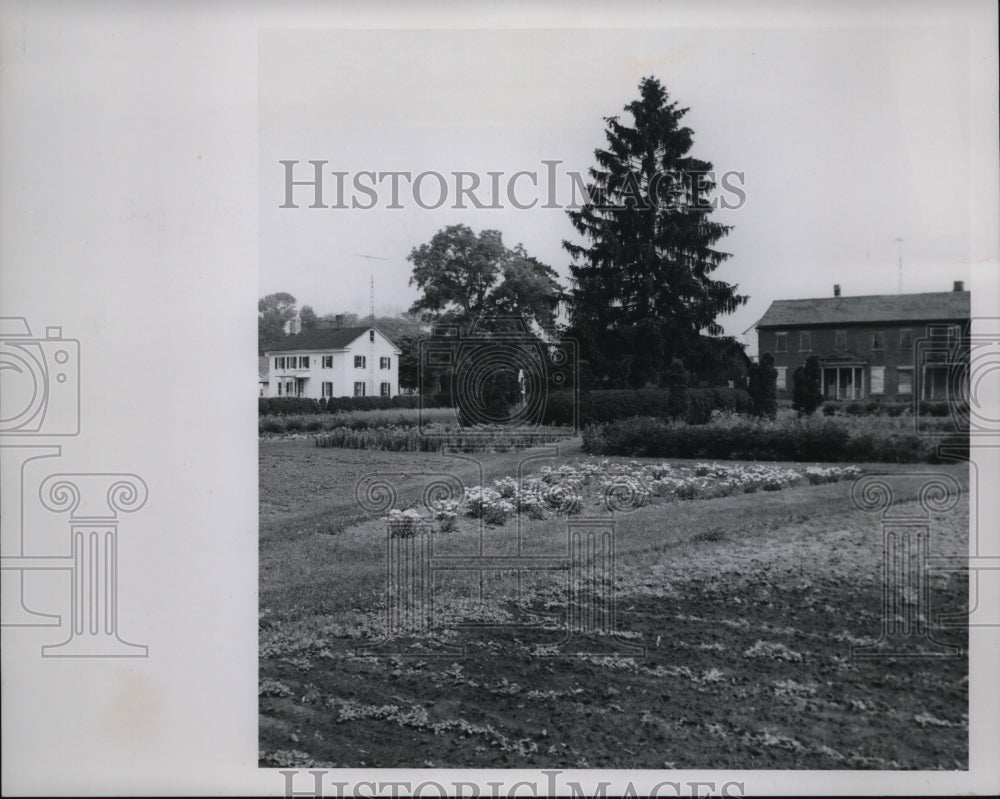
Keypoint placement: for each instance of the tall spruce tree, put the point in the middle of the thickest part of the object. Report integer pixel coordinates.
(642, 290)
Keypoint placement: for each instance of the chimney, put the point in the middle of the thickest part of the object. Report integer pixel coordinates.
(836, 289)
(959, 286)
(338, 321)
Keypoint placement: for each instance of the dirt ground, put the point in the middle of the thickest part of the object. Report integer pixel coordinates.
(735, 622)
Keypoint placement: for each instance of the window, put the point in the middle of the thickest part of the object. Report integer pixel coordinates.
(878, 380)
(905, 338)
(383, 362)
(385, 390)
(290, 389)
(904, 379)
(304, 362)
(781, 342)
(780, 381)
(371, 335)
(878, 340)
(327, 361)
(359, 361)
(805, 342)
(327, 389)
(359, 389)
(279, 387)
(840, 340)
(279, 363)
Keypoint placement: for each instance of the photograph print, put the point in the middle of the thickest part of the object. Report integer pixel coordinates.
(614, 398)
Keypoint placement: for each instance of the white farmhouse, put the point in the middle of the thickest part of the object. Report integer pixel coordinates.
(334, 362)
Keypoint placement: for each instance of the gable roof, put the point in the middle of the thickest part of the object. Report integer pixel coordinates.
(324, 338)
(937, 305)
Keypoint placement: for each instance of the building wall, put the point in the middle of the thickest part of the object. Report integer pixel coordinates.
(895, 354)
(342, 374)
(370, 374)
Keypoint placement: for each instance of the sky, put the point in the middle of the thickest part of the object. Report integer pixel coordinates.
(847, 138)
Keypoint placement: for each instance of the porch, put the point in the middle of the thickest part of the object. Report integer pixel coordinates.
(842, 381)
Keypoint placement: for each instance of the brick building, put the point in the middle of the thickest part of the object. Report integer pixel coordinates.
(896, 346)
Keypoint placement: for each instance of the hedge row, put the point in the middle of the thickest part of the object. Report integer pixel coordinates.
(876, 408)
(593, 407)
(596, 407)
(821, 441)
(267, 406)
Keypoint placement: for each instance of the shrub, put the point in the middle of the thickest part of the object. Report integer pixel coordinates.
(283, 406)
(731, 399)
(699, 405)
(807, 395)
(764, 386)
(447, 515)
(271, 424)
(608, 405)
(797, 441)
(677, 397)
(830, 408)
(405, 523)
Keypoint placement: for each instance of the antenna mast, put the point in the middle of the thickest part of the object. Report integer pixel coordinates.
(371, 319)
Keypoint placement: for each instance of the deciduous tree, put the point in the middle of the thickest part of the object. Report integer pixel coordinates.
(273, 312)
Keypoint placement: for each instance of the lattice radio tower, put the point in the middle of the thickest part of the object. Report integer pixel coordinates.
(371, 319)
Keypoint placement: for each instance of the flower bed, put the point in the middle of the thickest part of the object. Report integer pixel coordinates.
(434, 438)
(609, 486)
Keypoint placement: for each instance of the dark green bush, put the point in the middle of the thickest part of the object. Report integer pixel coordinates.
(807, 379)
(731, 399)
(762, 383)
(677, 395)
(699, 405)
(597, 407)
(271, 424)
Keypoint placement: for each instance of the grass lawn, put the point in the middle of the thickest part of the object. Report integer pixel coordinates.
(735, 615)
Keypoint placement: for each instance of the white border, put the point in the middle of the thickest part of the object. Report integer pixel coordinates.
(128, 216)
